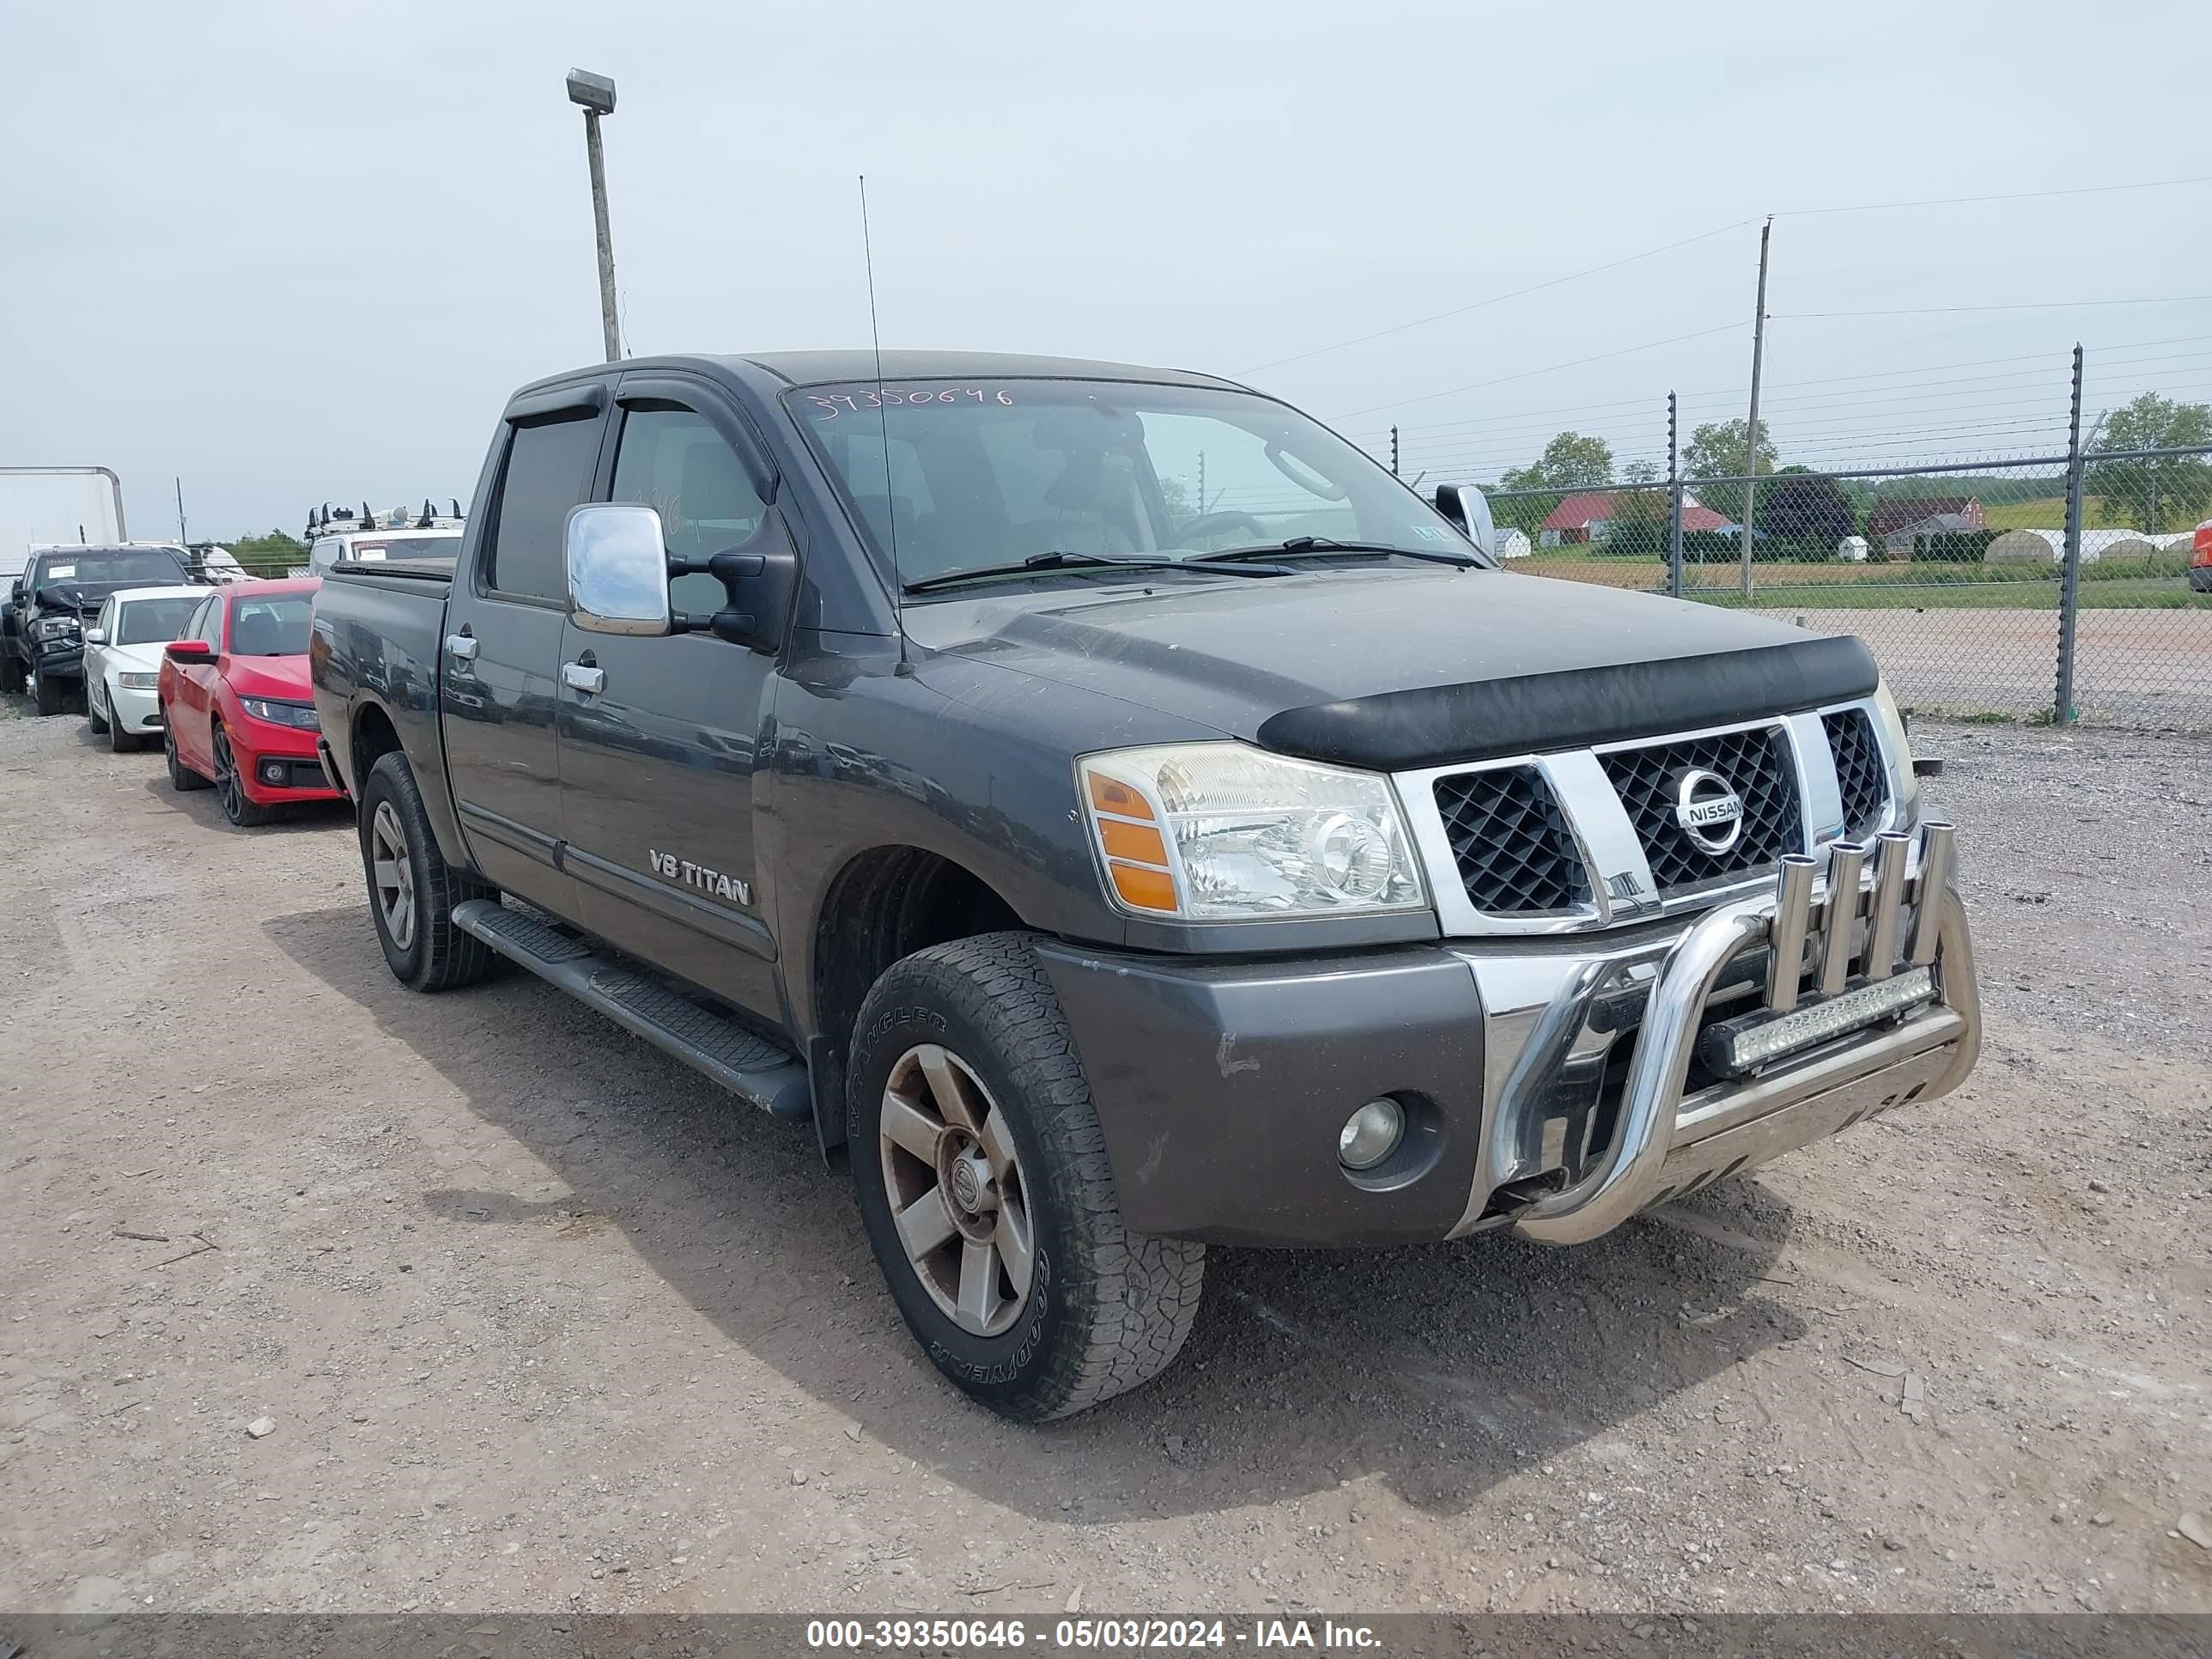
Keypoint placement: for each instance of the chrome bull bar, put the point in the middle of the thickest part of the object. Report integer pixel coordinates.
(1663, 1142)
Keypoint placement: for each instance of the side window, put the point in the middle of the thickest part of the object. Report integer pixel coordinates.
(672, 461)
(198, 628)
(104, 621)
(549, 470)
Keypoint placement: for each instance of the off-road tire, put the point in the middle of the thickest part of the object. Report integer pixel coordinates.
(439, 955)
(182, 778)
(51, 694)
(1107, 1309)
(11, 673)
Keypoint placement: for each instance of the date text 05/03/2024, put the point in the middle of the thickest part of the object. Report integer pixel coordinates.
(1114, 1634)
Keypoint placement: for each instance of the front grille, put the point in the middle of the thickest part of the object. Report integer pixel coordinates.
(1858, 768)
(1756, 764)
(1510, 842)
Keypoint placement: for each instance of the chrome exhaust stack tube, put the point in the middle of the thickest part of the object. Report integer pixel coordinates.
(1840, 916)
(1793, 911)
(1893, 851)
(1937, 853)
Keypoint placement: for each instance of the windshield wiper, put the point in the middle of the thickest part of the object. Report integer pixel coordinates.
(1037, 562)
(1324, 546)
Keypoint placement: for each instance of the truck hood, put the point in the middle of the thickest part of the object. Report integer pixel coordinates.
(283, 678)
(1391, 667)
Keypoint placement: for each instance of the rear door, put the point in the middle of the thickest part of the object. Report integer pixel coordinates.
(657, 764)
(496, 689)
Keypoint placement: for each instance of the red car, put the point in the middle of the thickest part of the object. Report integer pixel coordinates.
(237, 710)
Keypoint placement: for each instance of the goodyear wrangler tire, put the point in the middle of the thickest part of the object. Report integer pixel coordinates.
(983, 1182)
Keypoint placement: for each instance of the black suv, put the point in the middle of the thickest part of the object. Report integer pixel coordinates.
(42, 635)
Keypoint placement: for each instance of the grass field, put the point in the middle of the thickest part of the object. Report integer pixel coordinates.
(2049, 512)
(2159, 584)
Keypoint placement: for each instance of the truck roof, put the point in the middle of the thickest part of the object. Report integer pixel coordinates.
(860, 363)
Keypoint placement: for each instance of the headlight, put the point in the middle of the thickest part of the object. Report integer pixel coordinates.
(137, 681)
(52, 627)
(302, 714)
(1218, 832)
(1900, 751)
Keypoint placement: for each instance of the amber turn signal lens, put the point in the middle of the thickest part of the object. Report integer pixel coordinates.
(1109, 796)
(1140, 841)
(1145, 889)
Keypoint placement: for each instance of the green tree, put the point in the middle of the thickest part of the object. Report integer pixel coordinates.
(268, 547)
(1813, 513)
(2168, 492)
(1569, 461)
(1719, 449)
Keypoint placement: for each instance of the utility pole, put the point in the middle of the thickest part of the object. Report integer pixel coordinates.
(1750, 432)
(596, 95)
(182, 539)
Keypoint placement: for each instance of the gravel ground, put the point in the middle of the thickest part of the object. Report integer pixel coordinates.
(474, 1302)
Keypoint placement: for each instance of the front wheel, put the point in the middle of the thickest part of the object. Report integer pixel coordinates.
(983, 1182)
(92, 717)
(230, 785)
(412, 890)
(11, 674)
(48, 692)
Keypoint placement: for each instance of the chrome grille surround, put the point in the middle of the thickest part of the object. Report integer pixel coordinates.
(1618, 885)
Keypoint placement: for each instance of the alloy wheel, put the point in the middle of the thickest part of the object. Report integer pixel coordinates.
(227, 785)
(955, 1190)
(391, 875)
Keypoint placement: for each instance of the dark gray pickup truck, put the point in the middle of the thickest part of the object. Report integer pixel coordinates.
(1126, 818)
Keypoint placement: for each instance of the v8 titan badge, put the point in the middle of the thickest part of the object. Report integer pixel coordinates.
(1710, 812)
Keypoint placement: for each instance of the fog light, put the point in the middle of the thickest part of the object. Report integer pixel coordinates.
(1371, 1134)
(272, 772)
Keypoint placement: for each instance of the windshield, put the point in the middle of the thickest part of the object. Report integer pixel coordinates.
(272, 627)
(148, 622)
(148, 566)
(974, 474)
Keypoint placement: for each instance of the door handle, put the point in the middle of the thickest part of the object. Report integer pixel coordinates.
(577, 678)
(461, 648)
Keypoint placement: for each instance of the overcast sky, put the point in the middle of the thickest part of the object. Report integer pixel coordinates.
(299, 253)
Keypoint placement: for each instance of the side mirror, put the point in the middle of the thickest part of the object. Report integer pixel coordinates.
(1469, 508)
(617, 568)
(95, 637)
(184, 653)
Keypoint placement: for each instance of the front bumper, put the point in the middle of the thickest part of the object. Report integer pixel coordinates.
(58, 659)
(279, 764)
(132, 711)
(1556, 1085)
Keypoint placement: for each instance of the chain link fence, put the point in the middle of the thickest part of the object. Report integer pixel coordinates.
(2072, 586)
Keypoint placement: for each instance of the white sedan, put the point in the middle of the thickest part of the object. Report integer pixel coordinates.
(122, 659)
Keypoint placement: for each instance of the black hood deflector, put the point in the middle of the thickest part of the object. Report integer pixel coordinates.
(1571, 708)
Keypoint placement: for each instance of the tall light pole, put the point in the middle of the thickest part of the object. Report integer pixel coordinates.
(596, 94)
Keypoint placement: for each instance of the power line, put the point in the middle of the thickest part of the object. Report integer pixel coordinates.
(1499, 299)
(1947, 311)
(2014, 195)
(1603, 357)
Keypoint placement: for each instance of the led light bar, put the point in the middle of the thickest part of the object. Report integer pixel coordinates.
(1743, 1045)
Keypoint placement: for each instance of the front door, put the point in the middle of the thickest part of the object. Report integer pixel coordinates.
(659, 735)
(193, 695)
(496, 669)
